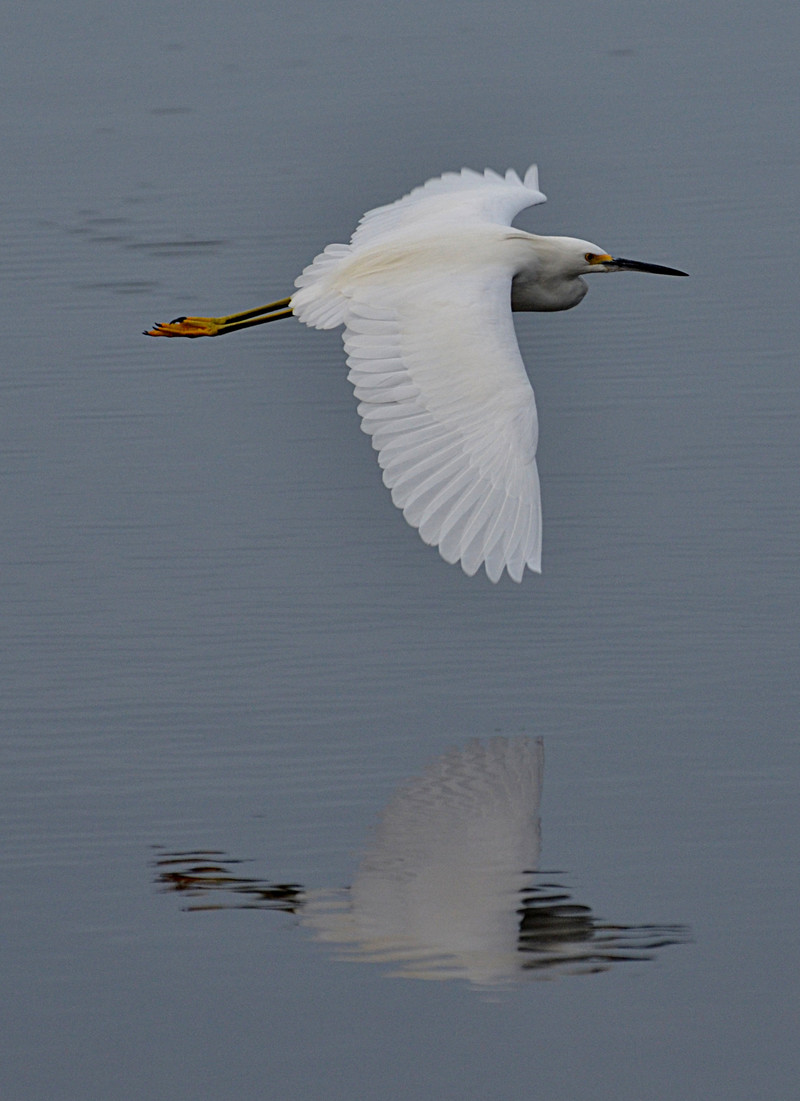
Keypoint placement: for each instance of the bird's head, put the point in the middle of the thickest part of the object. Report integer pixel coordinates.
(584, 258)
(552, 280)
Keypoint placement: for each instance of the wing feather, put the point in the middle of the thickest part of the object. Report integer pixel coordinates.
(424, 292)
(454, 419)
(454, 198)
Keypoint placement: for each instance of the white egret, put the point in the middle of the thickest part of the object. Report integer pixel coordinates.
(425, 291)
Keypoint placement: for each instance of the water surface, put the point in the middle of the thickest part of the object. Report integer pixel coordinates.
(222, 643)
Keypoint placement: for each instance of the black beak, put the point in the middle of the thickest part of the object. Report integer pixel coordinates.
(637, 265)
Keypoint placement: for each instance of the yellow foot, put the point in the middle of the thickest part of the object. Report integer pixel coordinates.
(188, 326)
(218, 326)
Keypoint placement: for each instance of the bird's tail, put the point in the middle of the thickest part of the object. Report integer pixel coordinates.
(317, 301)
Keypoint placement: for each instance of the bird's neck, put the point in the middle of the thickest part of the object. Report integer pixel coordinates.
(545, 293)
(542, 283)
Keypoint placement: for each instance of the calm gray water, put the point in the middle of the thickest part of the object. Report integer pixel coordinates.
(248, 717)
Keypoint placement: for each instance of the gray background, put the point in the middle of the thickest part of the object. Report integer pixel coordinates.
(219, 633)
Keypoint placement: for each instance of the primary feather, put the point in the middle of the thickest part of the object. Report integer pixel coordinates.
(424, 293)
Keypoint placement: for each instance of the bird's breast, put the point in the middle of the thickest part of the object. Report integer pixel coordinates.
(531, 292)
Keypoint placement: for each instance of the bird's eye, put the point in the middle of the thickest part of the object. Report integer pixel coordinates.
(589, 257)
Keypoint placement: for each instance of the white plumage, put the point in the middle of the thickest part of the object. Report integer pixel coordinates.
(425, 291)
(435, 364)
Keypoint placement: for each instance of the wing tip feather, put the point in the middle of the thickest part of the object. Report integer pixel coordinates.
(531, 178)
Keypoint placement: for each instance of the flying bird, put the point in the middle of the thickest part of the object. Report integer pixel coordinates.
(425, 290)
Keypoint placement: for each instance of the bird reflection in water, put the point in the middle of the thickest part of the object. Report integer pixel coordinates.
(447, 887)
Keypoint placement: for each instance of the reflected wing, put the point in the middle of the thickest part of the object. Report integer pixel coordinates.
(475, 805)
(443, 392)
(439, 889)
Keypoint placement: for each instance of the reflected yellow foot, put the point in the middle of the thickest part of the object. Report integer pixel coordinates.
(218, 326)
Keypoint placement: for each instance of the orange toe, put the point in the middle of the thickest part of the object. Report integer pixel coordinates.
(186, 326)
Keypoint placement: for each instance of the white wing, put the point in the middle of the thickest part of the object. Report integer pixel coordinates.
(456, 198)
(424, 292)
(444, 395)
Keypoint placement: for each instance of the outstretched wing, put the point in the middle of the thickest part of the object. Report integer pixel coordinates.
(443, 392)
(456, 198)
(424, 292)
